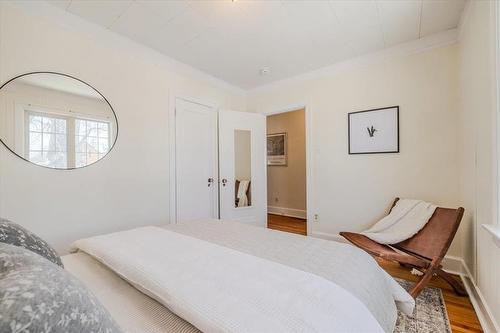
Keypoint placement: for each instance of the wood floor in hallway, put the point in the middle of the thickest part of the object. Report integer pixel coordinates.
(285, 223)
(462, 316)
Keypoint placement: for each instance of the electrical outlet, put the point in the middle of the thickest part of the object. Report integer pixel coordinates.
(316, 218)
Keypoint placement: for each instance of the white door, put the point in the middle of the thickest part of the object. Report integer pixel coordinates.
(242, 167)
(196, 161)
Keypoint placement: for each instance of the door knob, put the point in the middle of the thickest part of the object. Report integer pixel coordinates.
(210, 181)
(224, 181)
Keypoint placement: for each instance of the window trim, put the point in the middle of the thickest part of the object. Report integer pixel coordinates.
(29, 109)
(98, 138)
(31, 112)
(496, 103)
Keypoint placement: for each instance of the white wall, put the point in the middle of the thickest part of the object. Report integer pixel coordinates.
(350, 192)
(478, 149)
(130, 187)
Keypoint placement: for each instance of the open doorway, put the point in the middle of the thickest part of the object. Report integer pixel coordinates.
(286, 171)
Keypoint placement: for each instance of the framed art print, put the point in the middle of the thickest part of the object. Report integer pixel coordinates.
(374, 131)
(277, 149)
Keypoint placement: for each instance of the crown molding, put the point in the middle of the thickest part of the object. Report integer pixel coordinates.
(440, 39)
(107, 37)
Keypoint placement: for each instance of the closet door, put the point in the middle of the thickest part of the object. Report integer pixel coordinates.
(242, 167)
(196, 161)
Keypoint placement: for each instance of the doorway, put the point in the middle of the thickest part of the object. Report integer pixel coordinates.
(287, 171)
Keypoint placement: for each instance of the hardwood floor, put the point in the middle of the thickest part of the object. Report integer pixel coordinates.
(288, 224)
(462, 316)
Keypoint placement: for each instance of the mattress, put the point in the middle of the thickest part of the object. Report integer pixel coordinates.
(133, 311)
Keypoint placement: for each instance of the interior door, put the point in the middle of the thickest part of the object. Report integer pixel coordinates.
(196, 161)
(242, 167)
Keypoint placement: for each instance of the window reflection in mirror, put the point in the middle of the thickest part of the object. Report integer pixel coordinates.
(242, 168)
(55, 121)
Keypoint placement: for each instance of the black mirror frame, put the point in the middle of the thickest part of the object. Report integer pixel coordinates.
(72, 77)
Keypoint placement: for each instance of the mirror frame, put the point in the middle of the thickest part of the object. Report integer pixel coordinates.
(74, 78)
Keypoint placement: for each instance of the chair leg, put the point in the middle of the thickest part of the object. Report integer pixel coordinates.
(420, 285)
(456, 285)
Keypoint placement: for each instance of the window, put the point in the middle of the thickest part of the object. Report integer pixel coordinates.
(91, 141)
(47, 140)
(58, 141)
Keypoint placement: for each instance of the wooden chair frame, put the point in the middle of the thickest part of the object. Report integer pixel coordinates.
(424, 251)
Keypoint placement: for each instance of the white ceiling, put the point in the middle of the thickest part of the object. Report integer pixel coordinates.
(233, 40)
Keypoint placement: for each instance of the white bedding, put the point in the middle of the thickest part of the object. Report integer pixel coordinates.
(249, 294)
(374, 295)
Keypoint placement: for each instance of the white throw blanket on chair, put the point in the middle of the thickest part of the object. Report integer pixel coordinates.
(406, 219)
(242, 193)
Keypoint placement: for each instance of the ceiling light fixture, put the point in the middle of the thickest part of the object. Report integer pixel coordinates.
(265, 71)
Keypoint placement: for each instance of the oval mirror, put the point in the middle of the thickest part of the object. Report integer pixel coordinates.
(56, 121)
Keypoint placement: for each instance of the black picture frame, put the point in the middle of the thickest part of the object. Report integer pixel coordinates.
(350, 152)
(278, 160)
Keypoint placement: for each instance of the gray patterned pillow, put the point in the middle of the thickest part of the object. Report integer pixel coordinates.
(38, 296)
(12, 233)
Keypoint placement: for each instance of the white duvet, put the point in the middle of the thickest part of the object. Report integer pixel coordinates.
(218, 289)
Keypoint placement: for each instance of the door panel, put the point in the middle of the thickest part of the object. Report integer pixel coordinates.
(196, 161)
(242, 166)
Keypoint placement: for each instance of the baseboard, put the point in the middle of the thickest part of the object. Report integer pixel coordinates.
(457, 265)
(483, 311)
(290, 212)
(454, 265)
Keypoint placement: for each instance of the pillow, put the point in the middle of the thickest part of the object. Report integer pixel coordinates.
(38, 296)
(12, 233)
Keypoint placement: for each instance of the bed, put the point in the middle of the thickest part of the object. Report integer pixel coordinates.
(137, 307)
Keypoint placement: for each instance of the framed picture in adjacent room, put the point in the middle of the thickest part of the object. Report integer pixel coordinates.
(277, 149)
(373, 131)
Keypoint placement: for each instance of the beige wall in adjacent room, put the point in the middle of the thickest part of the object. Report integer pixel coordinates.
(286, 185)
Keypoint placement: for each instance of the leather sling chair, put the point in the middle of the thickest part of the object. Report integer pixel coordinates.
(424, 251)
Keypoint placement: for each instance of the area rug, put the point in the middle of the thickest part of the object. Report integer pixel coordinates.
(429, 316)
